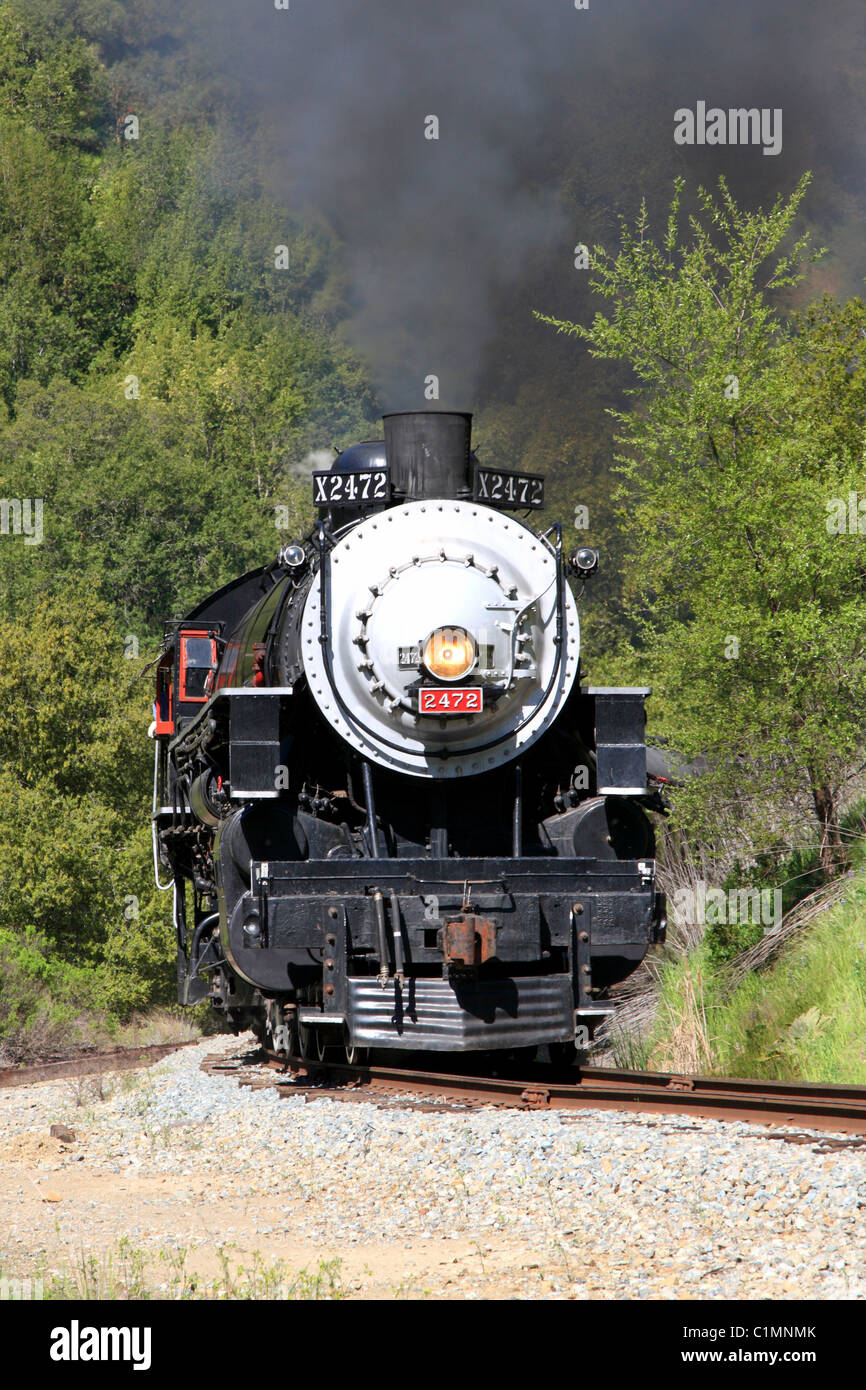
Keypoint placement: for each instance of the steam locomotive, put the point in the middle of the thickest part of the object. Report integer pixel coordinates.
(391, 814)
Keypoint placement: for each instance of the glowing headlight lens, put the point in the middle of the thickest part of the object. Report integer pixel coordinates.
(449, 653)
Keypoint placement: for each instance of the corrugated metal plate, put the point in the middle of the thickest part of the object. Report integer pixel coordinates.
(436, 1015)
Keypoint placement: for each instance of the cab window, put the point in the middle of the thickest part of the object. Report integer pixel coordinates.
(198, 659)
(162, 706)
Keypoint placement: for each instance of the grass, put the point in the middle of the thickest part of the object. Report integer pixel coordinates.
(51, 1008)
(158, 1025)
(49, 1033)
(128, 1273)
(802, 1018)
(685, 995)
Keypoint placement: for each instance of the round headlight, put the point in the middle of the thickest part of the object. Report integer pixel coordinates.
(449, 653)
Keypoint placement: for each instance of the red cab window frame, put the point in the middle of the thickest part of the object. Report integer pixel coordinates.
(185, 665)
(164, 699)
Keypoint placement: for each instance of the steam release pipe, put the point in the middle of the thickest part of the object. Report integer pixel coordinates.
(367, 773)
(381, 931)
(397, 936)
(517, 813)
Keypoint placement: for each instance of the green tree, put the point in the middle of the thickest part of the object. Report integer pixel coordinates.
(746, 425)
(74, 839)
(51, 84)
(163, 384)
(164, 431)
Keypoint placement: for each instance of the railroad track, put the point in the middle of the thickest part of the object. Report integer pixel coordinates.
(837, 1109)
(89, 1064)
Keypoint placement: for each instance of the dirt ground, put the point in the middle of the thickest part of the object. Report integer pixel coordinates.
(60, 1211)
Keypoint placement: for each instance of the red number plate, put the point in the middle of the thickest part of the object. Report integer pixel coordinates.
(464, 701)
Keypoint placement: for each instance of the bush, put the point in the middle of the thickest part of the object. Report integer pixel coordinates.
(74, 800)
(725, 940)
(803, 1018)
(44, 1001)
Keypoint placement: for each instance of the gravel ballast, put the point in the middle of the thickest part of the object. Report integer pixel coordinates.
(589, 1204)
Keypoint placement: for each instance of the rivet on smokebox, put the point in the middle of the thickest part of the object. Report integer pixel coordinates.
(329, 964)
(584, 936)
(332, 912)
(329, 989)
(578, 909)
(331, 940)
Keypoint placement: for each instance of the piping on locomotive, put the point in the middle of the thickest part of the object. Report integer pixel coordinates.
(392, 815)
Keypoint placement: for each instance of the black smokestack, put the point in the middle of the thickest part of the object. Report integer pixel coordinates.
(428, 453)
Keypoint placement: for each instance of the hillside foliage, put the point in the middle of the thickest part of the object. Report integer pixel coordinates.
(161, 384)
(738, 455)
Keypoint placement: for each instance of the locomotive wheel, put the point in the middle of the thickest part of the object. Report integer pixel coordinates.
(279, 1032)
(306, 1042)
(326, 1050)
(356, 1056)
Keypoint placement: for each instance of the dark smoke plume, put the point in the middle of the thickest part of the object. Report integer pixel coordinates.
(552, 121)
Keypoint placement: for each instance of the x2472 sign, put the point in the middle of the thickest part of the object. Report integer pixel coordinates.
(501, 488)
(352, 488)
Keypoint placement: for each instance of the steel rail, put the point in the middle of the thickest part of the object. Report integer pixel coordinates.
(839, 1109)
(90, 1063)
